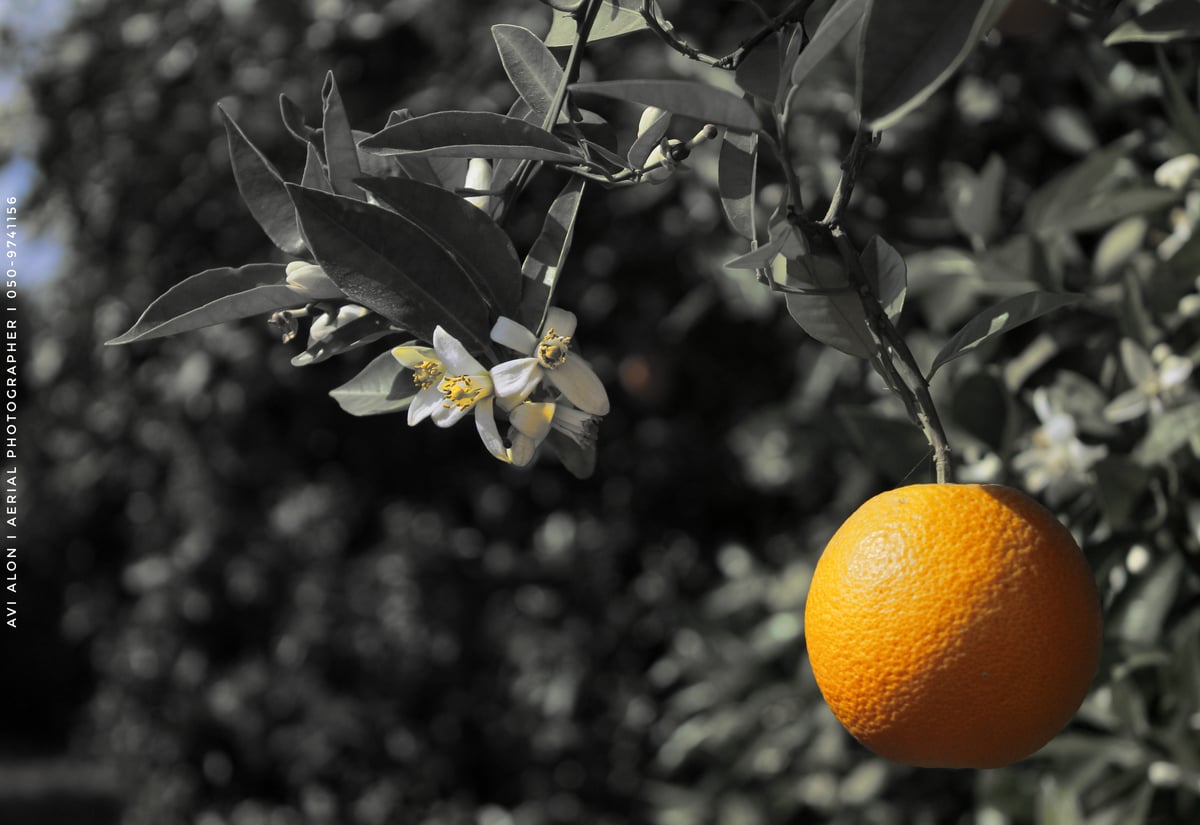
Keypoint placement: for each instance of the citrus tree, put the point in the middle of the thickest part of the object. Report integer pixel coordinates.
(411, 242)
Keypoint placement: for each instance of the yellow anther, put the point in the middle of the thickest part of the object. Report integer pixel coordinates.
(553, 349)
(426, 373)
(461, 391)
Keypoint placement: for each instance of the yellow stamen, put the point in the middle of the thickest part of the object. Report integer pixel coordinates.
(426, 373)
(461, 391)
(552, 350)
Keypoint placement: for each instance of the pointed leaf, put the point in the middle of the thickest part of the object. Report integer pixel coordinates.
(314, 177)
(838, 22)
(549, 251)
(837, 318)
(346, 336)
(687, 98)
(616, 18)
(910, 49)
(383, 386)
(341, 153)
(293, 120)
(1168, 21)
(215, 296)
(887, 274)
(736, 170)
(1180, 108)
(533, 70)
(263, 190)
(999, 319)
(469, 135)
(477, 245)
(1075, 184)
(975, 200)
(389, 265)
(1101, 209)
(444, 172)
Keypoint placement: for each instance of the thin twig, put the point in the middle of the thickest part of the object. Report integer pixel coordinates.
(792, 14)
(863, 140)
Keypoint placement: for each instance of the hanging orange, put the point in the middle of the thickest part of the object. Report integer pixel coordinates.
(953, 625)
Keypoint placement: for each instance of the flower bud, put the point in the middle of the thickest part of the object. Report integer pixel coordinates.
(303, 277)
(479, 176)
(649, 117)
(1177, 172)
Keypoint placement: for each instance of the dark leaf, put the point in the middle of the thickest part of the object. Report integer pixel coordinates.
(910, 49)
(293, 121)
(1169, 432)
(736, 170)
(389, 265)
(478, 246)
(699, 101)
(469, 135)
(758, 74)
(315, 176)
(346, 336)
(835, 318)
(533, 70)
(545, 259)
(263, 190)
(887, 274)
(215, 296)
(999, 319)
(341, 153)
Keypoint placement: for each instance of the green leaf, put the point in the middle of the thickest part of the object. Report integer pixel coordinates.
(836, 318)
(469, 135)
(1077, 183)
(533, 70)
(835, 25)
(784, 240)
(444, 172)
(736, 169)
(887, 274)
(999, 319)
(215, 296)
(341, 153)
(1169, 432)
(616, 18)
(478, 246)
(1101, 209)
(1179, 107)
(909, 49)
(1168, 21)
(263, 190)
(687, 98)
(293, 120)
(383, 386)
(389, 265)
(549, 252)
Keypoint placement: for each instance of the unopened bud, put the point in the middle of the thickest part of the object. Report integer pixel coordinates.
(1177, 172)
(304, 277)
(660, 165)
(649, 117)
(479, 177)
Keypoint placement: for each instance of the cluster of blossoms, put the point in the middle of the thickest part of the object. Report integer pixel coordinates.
(451, 382)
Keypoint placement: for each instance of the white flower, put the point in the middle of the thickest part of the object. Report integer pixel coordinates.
(531, 423)
(549, 358)
(1056, 460)
(479, 177)
(577, 425)
(450, 383)
(304, 277)
(1159, 378)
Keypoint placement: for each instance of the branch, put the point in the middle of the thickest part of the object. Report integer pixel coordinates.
(792, 14)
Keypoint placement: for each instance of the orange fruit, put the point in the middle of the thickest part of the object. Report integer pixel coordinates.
(953, 625)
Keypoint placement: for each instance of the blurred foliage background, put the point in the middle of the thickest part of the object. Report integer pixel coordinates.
(240, 605)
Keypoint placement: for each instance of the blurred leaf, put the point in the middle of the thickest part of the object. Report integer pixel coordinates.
(999, 319)
(686, 98)
(841, 19)
(975, 200)
(894, 446)
(1068, 189)
(382, 387)
(215, 296)
(1118, 246)
(464, 233)
(549, 252)
(1165, 22)
(1150, 597)
(469, 135)
(737, 165)
(1121, 484)
(981, 405)
(1058, 804)
(836, 318)
(389, 265)
(910, 49)
(616, 17)
(346, 336)
(263, 190)
(887, 274)
(341, 152)
(533, 70)
(1180, 108)
(1169, 432)
(1101, 209)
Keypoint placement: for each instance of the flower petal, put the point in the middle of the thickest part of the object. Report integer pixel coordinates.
(423, 405)
(580, 384)
(523, 449)
(454, 355)
(447, 415)
(485, 423)
(410, 356)
(561, 321)
(516, 337)
(515, 380)
(533, 419)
